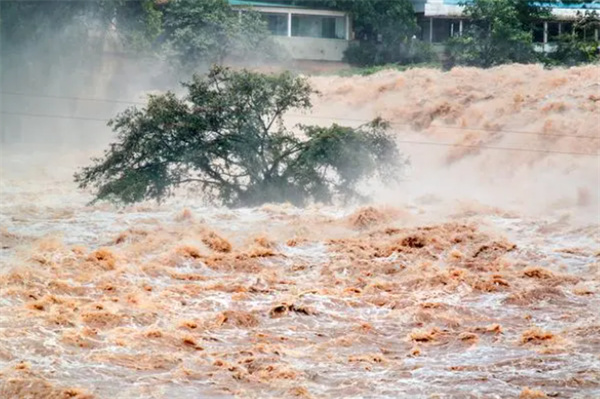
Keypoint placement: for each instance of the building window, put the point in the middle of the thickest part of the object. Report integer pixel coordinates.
(319, 26)
(566, 28)
(538, 32)
(553, 31)
(441, 30)
(438, 30)
(455, 28)
(277, 23)
(587, 33)
(424, 28)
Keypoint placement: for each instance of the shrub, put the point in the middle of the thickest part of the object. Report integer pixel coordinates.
(572, 51)
(369, 53)
(362, 54)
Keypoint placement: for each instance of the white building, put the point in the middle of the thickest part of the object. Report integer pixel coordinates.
(324, 35)
(306, 33)
(442, 19)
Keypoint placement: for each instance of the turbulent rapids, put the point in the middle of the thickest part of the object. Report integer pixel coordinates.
(478, 277)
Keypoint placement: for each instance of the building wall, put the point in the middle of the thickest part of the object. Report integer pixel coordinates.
(305, 33)
(310, 48)
(443, 8)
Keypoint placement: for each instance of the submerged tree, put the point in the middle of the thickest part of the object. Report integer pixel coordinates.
(227, 136)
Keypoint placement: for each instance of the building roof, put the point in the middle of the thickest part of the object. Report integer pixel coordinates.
(580, 6)
(595, 5)
(247, 3)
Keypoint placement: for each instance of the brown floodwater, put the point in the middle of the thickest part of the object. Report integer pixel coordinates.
(477, 277)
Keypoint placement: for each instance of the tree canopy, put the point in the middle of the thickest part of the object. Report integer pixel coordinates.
(499, 31)
(227, 136)
(502, 31)
(385, 30)
(209, 31)
(66, 35)
(23, 22)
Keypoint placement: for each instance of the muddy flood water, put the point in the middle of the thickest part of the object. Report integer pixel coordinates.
(478, 277)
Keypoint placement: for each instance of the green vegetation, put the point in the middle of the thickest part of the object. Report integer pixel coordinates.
(191, 34)
(571, 51)
(371, 70)
(501, 31)
(227, 136)
(40, 40)
(579, 46)
(23, 23)
(408, 51)
(384, 31)
(202, 33)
